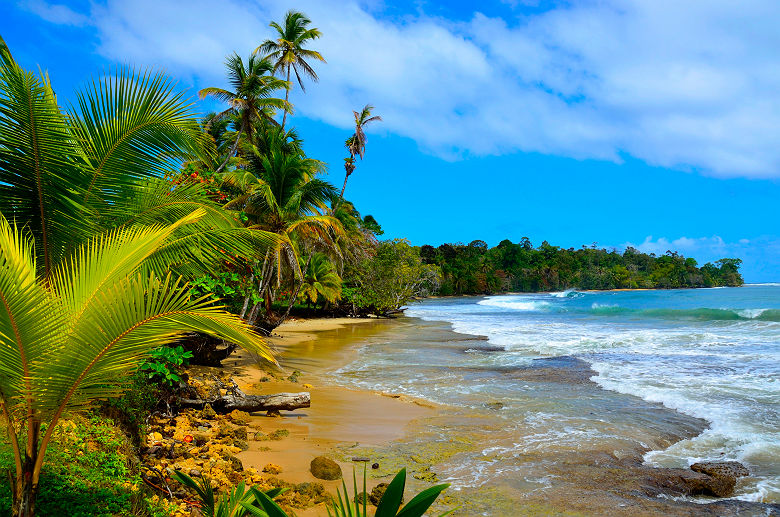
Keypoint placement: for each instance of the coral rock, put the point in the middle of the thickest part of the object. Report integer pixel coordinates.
(272, 469)
(239, 417)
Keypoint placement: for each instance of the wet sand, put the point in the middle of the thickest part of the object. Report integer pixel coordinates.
(339, 418)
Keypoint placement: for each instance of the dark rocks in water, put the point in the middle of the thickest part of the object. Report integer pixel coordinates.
(716, 479)
(723, 474)
(325, 468)
(486, 348)
(721, 469)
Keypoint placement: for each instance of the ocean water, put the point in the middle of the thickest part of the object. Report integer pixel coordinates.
(713, 354)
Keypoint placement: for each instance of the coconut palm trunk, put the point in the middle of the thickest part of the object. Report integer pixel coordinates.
(286, 97)
(232, 151)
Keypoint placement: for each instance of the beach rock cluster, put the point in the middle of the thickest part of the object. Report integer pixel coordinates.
(205, 444)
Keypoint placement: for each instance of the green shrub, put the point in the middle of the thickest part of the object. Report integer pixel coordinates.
(88, 473)
(164, 363)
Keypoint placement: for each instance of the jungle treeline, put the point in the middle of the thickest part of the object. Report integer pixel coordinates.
(475, 268)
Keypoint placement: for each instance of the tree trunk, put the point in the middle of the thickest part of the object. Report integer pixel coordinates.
(249, 295)
(286, 97)
(232, 151)
(25, 491)
(252, 403)
(297, 290)
(343, 188)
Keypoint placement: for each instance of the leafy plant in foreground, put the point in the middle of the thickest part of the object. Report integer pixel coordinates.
(390, 504)
(68, 339)
(239, 502)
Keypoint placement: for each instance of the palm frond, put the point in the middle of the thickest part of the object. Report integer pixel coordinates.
(41, 179)
(218, 93)
(132, 127)
(28, 321)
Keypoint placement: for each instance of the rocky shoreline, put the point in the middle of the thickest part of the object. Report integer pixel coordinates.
(605, 478)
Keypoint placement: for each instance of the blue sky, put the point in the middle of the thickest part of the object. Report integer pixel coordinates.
(641, 122)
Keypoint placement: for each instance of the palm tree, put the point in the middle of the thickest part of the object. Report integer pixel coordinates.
(356, 144)
(321, 281)
(104, 165)
(68, 339)
(287, 50)
(283, 196)
(252, 96)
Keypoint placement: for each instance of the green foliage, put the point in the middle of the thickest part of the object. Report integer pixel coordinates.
(370, 224)
(244, 502)
(390, 278)
(88, 473)
(390, 504)
(104, 164)
(239, 502)
(140, 398)
(66, 341)
(321, 282)
(164, 364)
(477, 269)
(228, 287)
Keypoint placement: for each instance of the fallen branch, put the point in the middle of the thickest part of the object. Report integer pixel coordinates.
(252, 403)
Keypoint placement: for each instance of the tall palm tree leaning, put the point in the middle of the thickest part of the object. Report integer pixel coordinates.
(252, 96)
(287, 50)
(356, 144)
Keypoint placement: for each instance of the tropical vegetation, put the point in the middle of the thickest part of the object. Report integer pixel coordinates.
(133, 231)
(475, 268)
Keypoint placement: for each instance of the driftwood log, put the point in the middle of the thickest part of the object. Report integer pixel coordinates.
(237, 399)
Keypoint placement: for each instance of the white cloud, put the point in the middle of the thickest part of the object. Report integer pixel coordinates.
(55, 13)
(682, 245)
(690, 85)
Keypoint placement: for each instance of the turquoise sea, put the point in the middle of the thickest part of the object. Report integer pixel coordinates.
(713, 354)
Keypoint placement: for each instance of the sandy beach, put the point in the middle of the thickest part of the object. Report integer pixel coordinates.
(339, 417)
(595, 476)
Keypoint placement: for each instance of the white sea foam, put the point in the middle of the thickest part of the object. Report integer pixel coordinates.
(726, 371)
(751, 313)
(515, 303)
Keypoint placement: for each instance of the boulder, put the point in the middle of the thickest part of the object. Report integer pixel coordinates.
(325, 468)
(723, 474)
(272, 468)
(697, 483)
(235, 463)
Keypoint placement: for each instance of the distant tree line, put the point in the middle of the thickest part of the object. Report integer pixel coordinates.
(476, 269)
